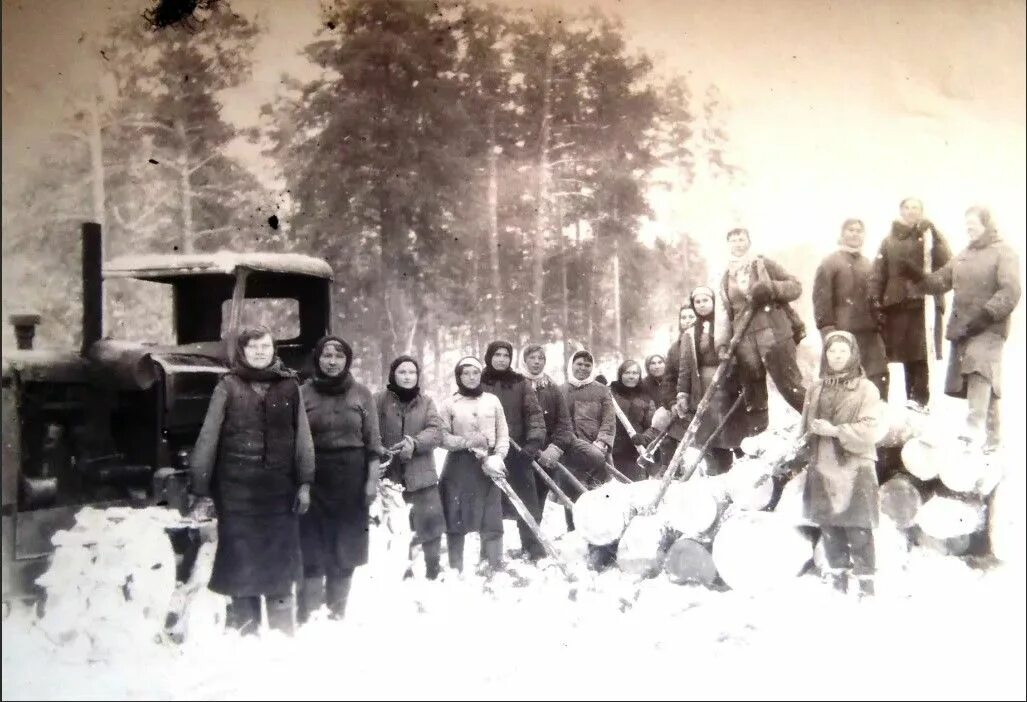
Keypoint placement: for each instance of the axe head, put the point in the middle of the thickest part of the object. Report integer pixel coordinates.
(646, 461)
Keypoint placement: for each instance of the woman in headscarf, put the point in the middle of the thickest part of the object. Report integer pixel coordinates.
(840, 416)
(348, 450)
(412, 430)
(255, 457)
(985, 280)
(767, 346)
(638, 407)
(896, 300)
(667, 418)
(474, 431)
(655, 377)
(527, 428)
(593, 421)
(699, 363)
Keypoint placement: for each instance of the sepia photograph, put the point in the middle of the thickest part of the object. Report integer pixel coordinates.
(510, 349)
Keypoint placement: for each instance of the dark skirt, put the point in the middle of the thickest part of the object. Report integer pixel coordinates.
(256, 554)
(905, 333)
(426, 518)
(471, 502)
(521, 477)
(335, 531)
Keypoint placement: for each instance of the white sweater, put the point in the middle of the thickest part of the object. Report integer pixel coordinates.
(464, 416)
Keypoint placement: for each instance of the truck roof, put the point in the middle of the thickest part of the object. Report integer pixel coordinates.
(162, 266)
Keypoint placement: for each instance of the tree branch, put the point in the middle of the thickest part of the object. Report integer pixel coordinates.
(203, 163)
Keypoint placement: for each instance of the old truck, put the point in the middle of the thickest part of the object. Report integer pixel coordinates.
(113, 422)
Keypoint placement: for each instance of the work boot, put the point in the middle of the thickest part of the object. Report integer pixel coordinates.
(280, 613)
(492, 549)
(839, 581)
(336, 594)
(243, 615)
(866, 587)
(432, 555)
(311, 597)
(455, 546)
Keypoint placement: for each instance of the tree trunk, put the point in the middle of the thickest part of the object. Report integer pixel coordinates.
(618, 338)
(493, 218)
(99, 195)
(542, 202)
(565, 314)
(188, 243)
(689, 562)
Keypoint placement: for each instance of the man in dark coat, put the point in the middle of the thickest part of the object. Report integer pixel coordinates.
(902, 305)
(559, 433)
(527, 427)
(841, 301)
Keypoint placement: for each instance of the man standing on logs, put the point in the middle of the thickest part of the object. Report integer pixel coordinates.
(527, 428)
(594, 423)
(902, 306)
(559, 434)
(841, 301)
(768, 345)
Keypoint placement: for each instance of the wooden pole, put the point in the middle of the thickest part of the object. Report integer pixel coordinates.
(560, 494)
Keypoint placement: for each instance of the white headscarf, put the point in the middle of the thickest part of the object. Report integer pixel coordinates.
(570, 370)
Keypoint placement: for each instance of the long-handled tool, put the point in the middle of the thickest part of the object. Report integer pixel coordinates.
(526, 517)
(612, 470)
(677, 460)
(560, 494)
(626, 423)
(723, 423)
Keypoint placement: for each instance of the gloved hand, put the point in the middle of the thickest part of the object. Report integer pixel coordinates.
(549, 456)
(601, 446)
(531, 450)
(370, 492)
(761, 293)
(494, 467)
(302, 502)
(477, 441)
(722, 353)
(977, 325)
(406, 450)
(638, 440)
(662, 419)
(202, 508)
(681, 406)
(877, 312)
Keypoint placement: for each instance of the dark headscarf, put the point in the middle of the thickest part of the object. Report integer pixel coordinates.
(404, 394)
(327, 384)
(649, 360)
(276, 370)
(623, 390)
(490, 375)
(460, 388)
(703, 325)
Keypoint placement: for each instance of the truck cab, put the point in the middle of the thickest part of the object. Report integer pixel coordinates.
(114, 421)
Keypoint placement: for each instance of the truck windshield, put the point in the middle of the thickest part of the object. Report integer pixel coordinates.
(279, 314)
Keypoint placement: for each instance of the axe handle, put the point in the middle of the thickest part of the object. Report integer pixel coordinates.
(560, 494)
(612, 470)
(626, 423)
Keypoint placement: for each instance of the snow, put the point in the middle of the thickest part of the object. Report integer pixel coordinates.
(226, 262)
(937, 627)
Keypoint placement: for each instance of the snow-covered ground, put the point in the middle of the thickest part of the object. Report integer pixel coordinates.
(936, 629)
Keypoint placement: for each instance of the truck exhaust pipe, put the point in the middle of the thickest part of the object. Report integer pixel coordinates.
(92, 285)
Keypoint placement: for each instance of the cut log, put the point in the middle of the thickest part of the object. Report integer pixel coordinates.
(791, 504)
(949, 517)
(971, 473)
(955, 546)
(601, 514)
(923, 459)
(750, 485)
(689, 562)
(758, 550)
(641, 494)
(641, 550)
(900, 500)
(898, 425)
(1006, 520)
(691, 507)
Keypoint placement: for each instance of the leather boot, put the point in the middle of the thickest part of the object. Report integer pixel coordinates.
(432, 556)
(336, 594)
(455, 544)
(493, 551)
(311, 597)
(243, 615)
(281, 613)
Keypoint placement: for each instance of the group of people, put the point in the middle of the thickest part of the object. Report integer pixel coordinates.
(292, 470)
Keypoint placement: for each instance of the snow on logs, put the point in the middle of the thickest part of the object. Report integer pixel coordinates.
(758, 550)
(688, 562)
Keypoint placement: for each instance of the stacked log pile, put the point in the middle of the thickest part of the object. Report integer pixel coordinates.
(746, 529)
